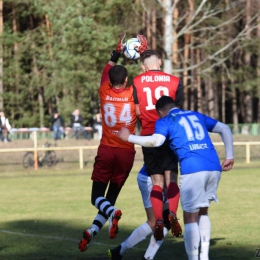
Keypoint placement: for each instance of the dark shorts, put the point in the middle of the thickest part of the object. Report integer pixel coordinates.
(113, 164)
(159, 159)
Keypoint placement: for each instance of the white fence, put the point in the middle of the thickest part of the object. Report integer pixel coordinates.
(80, 150)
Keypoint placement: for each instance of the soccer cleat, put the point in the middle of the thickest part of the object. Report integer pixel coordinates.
(175, 226)
(114, 253)
(85, 241)
(158, 231)
(113, 223)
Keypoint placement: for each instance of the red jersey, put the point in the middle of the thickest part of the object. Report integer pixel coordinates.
(150, 86)
(118, 110)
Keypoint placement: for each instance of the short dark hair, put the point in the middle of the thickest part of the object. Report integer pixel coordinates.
(147, 54)
(164, 102)
(117, 75)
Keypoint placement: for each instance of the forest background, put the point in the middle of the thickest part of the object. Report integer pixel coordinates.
(52, 54)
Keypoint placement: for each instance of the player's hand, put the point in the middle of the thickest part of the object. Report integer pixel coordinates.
(124, 134)
(144, 44)
(227, 164)
(120, 45)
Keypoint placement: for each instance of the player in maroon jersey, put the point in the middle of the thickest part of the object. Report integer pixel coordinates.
(161, 163)
(115, 157)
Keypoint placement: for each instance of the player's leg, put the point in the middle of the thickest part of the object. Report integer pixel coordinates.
(205, 230)
(193, 197)
(212, 182)
(98, 191)
(154, 245)
(157, 204)
(121, 162)
(153, 163)
(141, 232)
(170, 164)
(191, 235)
(173, 196)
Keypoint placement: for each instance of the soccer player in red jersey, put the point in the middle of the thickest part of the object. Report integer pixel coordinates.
(115, 157)
(161, 163)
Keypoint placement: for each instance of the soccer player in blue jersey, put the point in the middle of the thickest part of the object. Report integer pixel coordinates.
(187, 132)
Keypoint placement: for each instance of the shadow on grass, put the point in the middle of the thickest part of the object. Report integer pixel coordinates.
(56, 240)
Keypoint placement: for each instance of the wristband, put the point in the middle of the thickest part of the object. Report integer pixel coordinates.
(115, 56)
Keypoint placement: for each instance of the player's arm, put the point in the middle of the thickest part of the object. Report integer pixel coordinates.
(114, 58)
(154, 140)
(227, 138)
(179, 94)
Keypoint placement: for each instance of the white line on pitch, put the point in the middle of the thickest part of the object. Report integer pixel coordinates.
(47, 237)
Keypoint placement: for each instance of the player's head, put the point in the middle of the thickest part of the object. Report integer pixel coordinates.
(150, 60)
(118, 76)
(163, 105)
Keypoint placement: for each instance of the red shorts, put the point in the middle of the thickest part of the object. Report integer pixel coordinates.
(113, 164)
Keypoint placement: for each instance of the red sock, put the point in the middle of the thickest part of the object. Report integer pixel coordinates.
(157, 201)
(173, 196)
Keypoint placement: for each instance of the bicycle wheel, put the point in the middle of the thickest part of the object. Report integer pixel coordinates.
(28, 160)
(51, 158)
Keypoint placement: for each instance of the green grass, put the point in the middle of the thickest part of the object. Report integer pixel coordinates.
(43, 214)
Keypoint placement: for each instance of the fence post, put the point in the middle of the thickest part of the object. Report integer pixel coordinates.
(247, 153)
(35, 151)
(81, 158)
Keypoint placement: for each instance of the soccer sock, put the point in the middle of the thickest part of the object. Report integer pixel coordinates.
(157, 201)
(192, 240)
(204, 228)
(98, 222)
(173, 196)
(102, 204)
(154, 246)
(137, 236)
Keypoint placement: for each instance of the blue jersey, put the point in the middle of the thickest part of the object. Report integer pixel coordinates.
(187, 132)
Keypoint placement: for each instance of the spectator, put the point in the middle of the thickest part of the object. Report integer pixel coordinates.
(57, 125)
(97, 124)
(5, 128)
(76, 125)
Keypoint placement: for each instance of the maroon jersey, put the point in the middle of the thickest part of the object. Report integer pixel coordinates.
(150, 86)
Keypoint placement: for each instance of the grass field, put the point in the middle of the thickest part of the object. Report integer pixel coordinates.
(43, 215)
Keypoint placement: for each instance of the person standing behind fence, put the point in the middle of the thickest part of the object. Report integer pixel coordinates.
(76, 125)
(5, 127)
(57, 125)
(98, 124)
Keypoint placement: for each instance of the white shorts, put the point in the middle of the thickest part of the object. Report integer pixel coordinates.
(198, 189)
(145, 186)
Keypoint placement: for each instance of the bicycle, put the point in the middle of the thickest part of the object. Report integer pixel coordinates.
(49, 158)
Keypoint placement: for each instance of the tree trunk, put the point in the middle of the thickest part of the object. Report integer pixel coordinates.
(223, 96)
(167, 65)
(154, 25)
(1, 58)
(209, 87)
(187, 40)
(175, 43)
(234, 108)
(192, 82)
(258, 63)
(248, 100)
(16, 65)
(198, 82)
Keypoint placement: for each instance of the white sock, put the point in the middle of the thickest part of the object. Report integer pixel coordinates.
(98, 223)
(137, 236)
(192, 240)
(205, 228)
(154, 246)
